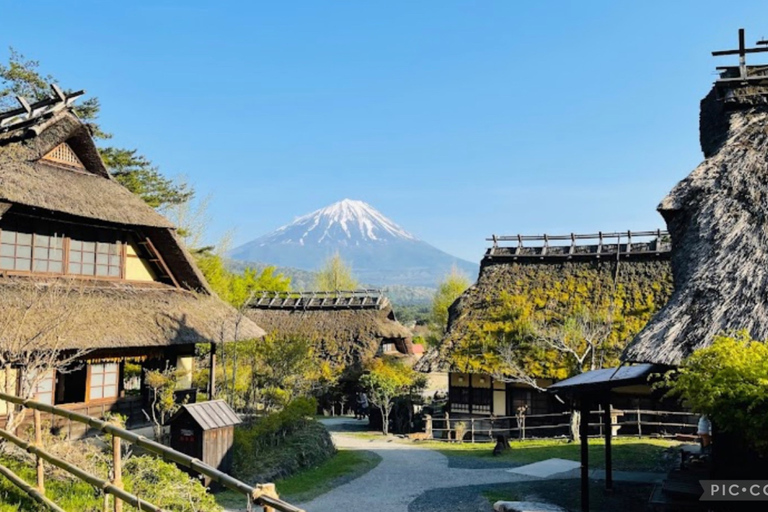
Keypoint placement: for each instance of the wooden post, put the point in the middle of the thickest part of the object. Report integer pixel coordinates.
(39, 460)
(117, 468)
(608, 425)
(584, 436)
(639, 425)
(472, 425)
(269, 490)
(212, 376)
(428, 426)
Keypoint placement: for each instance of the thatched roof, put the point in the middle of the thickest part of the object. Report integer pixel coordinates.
(92, 193)
(112, 315)
(78, 314)
(351, 335)
(718, 220)
(641, 271)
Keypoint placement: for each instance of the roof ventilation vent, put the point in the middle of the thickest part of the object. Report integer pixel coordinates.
(63, 155)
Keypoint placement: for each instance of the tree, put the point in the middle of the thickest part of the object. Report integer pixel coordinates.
(448, 290)
(37, 319)
(281, 369)
(21, 77)
(385, 380)
(162, 385)
(335, 275)
(728, 381)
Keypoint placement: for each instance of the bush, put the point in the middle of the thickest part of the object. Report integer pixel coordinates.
(166, 486)
(281, 443)
(728, 381)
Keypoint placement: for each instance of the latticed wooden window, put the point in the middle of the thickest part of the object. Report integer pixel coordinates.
(103, 380)
(31, 252)
(63, 154)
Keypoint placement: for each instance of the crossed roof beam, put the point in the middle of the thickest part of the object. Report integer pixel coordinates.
(28, 112)
(742, 51)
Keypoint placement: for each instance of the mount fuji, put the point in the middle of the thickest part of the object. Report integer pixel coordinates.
(380, 252)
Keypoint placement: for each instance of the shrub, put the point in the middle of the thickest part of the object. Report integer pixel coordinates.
(165, 485)
(281, 443)
(728, 382)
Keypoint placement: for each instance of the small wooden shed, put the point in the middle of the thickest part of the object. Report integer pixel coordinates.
(206, 431)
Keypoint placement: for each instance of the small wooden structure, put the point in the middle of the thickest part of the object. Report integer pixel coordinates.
(206, 431)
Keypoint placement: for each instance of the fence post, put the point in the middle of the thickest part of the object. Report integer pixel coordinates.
(268, 490)
(600, 415)
(639, 424)
(117, 464)
(472, 425)
(38, 459)
(428, 425)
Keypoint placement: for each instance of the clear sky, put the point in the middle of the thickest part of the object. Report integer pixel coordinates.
(454, 119)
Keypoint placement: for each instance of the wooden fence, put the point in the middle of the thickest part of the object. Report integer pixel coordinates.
(262, 495)
(625, 422)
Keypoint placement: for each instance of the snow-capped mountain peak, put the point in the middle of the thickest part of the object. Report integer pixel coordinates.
(379, 251)
(348, 220)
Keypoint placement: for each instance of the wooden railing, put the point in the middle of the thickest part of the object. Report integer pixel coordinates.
(632, 421)
(262, 495)
(620, 244)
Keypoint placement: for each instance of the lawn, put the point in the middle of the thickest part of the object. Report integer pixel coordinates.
(305, 485)
(629, 454)
(567, 494)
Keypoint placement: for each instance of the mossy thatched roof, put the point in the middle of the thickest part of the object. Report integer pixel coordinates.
(718, 221)
(642, 283)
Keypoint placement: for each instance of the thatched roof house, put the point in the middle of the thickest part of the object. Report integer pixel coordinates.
(546, 270)
(348, 327)
(717, 221)
(85, 265)
(628, 272)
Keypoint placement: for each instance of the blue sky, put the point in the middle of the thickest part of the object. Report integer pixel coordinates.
(455, 119)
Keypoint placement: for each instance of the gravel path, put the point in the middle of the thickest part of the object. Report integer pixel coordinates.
(405, 472)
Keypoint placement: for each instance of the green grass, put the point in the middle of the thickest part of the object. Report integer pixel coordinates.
(69, 494)
(307, 484)
(346, 465)
(567, 494)
(629, 454)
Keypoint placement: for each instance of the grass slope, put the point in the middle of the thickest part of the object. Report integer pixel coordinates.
(306, 485)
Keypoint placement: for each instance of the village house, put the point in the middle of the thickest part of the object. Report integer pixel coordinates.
(89, 272)
(350, 327)
(626, 274)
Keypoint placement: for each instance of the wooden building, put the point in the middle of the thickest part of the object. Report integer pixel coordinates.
(349, 327)
(87, 268)
(541, 270)
(206, 431)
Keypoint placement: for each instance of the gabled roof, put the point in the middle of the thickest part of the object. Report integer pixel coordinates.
(109, 314)
(26, 179)
(211, 415)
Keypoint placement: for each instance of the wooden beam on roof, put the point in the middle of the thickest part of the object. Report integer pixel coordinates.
(161, 262)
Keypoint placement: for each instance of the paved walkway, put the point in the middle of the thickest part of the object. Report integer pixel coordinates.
(405, 472)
